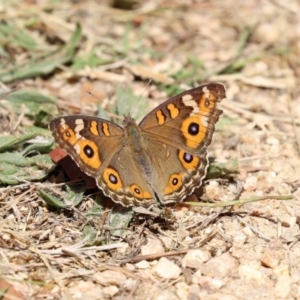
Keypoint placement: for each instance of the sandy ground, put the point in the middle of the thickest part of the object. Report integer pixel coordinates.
(246, 251)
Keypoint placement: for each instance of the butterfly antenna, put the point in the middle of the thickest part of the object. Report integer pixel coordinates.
(134, 107)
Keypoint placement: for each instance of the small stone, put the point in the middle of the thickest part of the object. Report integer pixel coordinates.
(248, 231)
(166, 269)
(247, 272)
(219, 266)
(130, 267)
(287, 221)
(6, 237)
(272, 141)
(195, 258)
(143, 264)
(213, 190)
(283, 286)
(269, 262)
(288, 234)
(182, 290)
(232, 188)
(109, 277)
(273, 255)
(110, 291)
(153, 246)
(239, 240)
(192, 292)
(130, 284)
(196, 277)
(86, 290)
(207, 282)
(250, 184)
(282, 269)
(165, 295)
(180, 212)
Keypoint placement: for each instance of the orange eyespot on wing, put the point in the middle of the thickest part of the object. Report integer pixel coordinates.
(175, 182)
(208, 100)
(139, 193)
(112, 178)
(68, 134)
(194, 131)
(188, 160)
(88, 152)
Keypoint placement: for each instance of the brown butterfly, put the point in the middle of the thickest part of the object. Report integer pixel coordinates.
(162, 159)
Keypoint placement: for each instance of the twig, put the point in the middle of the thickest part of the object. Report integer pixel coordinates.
(241, 201)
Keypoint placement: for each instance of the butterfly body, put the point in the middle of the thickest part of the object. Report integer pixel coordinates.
(161, 159)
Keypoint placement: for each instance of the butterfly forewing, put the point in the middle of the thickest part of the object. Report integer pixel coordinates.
(85, 138)
(186, 120)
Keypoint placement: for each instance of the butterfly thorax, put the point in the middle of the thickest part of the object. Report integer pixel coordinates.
(134, 137)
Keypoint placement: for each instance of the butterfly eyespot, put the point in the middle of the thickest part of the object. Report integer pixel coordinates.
(175, 181)
(68, 135)
(188, 157)
(193, 128)
(190, 129)
(113, 179)
(188, 160)
(89, 152)
(207, 103)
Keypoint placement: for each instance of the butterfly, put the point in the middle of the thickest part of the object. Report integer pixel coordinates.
(160, 160)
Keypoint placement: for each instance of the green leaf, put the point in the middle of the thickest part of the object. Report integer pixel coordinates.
(8, 142)
(91, 59)
(120, 218)
(12, 35)
(46, 63)
(38, 148)
(51, 200)
(15, 168)
(35, 105)
(72, 196)
(39, 131)
(89, 230)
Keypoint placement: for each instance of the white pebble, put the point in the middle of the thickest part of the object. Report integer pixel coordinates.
(166, 269)
(195, 258)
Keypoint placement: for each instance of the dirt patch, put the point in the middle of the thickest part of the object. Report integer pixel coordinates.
(245, 251)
